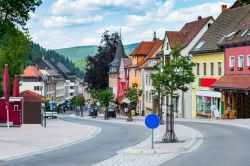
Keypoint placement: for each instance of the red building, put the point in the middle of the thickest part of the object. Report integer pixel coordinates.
(15, 111)
(235, 84)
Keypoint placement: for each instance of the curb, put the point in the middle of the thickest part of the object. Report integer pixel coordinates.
(188, 147)
(51, 148)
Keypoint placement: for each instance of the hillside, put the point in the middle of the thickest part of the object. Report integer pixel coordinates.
(78, 54)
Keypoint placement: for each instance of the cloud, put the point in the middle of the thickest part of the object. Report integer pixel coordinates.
(60, 21)
(124, 29)
(90, 41)
(59, 39)
(66, 6)
(166, 13)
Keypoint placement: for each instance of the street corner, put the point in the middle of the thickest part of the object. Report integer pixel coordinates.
(189, 140)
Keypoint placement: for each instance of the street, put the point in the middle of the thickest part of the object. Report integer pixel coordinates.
(222, 145)
(105, 145)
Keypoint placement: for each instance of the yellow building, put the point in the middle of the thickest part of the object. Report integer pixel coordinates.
(209, 68)
(139, 57)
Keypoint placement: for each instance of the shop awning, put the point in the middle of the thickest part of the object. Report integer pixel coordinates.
(233, 82)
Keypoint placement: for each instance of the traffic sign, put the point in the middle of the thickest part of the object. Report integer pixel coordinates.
(152, 121)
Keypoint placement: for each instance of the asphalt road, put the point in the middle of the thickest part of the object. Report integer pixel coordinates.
(222, 146)
(113, 138)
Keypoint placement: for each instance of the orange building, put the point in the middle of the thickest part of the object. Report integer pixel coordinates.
(139, 57)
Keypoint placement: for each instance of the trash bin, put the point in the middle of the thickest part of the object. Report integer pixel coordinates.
(132, 112)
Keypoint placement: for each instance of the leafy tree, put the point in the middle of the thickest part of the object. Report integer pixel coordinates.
(17, 11)
(175, 75)
(98, 66)
(105, 97)
(245, 1)
(14, 47)
(133, 94)
(78, 100)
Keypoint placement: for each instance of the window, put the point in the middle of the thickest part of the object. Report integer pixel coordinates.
(197, 69)
(231, 62)
(240, 62)
(219, 69)
(16, 108)
(37, 88)
(135, 73)
(199, 45)
(150, 81)
(248, 60)
(150, 97)
(212, 68)
(146, 96)
(146, 79)
(209, 25)
(167, 46)
(204, 69)
(243, 34)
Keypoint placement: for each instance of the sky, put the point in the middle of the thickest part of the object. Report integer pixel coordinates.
(68, 23)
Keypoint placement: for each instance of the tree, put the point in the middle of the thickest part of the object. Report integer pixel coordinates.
(105, 97)
(245, 1)
(14, 47)
(98, 66)
(78, 102)
(17, 11)
(175, 75)
(133, 94)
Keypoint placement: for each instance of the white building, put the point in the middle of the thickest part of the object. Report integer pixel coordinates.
(186, 38)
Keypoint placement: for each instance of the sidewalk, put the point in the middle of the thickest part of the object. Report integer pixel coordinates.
(34, 139)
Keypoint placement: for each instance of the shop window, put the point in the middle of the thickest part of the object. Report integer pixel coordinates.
(231, 63)
(212, 69)
(204, 69)
(240, 62)
(197, 69)
(219, 69)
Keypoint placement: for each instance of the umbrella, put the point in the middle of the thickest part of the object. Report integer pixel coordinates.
(16, 87)
(6, 90)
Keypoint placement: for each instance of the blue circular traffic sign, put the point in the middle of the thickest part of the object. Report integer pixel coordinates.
(152, 121)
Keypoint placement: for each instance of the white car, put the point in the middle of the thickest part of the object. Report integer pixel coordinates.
(51, 114)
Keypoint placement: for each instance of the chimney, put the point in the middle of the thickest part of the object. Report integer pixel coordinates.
(199, 18)
(223, 8)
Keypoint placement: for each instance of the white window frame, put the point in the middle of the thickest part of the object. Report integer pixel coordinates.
(231, 65)
(198, 69)
(248, 60)
(239, 62)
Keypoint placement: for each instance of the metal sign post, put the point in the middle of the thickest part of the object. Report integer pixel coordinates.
(152, 121)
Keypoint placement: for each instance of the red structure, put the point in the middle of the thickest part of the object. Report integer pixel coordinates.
(15, 111)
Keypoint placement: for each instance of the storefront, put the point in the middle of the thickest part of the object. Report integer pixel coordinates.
(206, 101)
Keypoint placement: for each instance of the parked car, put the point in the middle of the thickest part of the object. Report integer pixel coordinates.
(51, 110)
(111, 112)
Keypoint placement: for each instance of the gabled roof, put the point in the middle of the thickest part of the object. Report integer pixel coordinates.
(147, 49)
(227, 22)
(31, 71)
(183, 37)
(31, 97)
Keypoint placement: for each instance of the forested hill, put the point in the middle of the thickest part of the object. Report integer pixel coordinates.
(38, 52)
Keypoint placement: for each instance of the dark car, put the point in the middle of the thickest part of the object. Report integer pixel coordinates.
(111, 112)
(93, 111)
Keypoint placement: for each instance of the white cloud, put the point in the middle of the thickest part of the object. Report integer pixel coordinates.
(90, 41)
(124, 29)
(58, 38)
(60, 21)
(65, 6)
(165, 13)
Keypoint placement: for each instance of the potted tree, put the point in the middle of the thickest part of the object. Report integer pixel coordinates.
(105, 97)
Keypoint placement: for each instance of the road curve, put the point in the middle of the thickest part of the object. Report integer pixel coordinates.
(223, 145)
(113, 138)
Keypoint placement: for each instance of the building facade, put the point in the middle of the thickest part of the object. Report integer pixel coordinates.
(185, 39)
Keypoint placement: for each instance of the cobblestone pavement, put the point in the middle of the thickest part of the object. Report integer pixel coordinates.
(136, 160)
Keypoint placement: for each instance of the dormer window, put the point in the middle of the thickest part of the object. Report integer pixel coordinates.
(231, 63)
(199, 45)
(240, 62)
